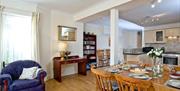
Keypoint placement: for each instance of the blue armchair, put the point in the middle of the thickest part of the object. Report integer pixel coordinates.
(9, 78)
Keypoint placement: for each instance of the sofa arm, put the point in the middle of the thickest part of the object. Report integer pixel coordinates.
(5, 77)
(41, 74)
(5, 81)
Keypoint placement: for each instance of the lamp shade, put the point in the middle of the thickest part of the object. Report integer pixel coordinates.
(62, 46)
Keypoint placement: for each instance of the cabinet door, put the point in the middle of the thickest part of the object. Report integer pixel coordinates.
(149, 36)
(173, 32)
(160, 36)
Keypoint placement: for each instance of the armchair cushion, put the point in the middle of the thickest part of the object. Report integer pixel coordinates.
(28, 73)
(23, 84)
(5, 77)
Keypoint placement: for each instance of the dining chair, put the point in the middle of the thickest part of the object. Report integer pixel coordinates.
(177, 68)
(105, 81)
(131, 84)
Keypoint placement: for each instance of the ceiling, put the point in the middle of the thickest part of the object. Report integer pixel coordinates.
(168, 11)
(141, 13)
(68, 6)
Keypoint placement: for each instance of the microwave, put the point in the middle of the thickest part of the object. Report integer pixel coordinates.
(171, 59)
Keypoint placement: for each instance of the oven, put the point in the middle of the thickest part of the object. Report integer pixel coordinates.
(171, 59)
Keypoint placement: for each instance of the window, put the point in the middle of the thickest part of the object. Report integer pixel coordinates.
(17, 37)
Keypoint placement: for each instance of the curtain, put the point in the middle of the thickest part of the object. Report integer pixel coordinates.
(1, 9)
(35, 35)
(19, 40)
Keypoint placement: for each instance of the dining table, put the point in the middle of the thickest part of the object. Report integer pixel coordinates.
(158, 83)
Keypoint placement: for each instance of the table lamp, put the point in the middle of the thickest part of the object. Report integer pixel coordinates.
(62, 49)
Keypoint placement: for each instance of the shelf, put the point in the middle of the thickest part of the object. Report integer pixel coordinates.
(89, 46)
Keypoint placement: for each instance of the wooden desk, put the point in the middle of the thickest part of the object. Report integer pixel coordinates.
(73, 59)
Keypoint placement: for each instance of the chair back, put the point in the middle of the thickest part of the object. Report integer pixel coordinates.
(15, 68)
(177, 68)
(131, 84)
(104, 80)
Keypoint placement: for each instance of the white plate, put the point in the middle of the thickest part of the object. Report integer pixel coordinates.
(177, 72)
(175, 77)
(148, 68)
(139, 72)
(174, 83)
(134, 65)
(139, 76)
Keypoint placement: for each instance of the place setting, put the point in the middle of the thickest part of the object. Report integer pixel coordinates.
(175, 80)
(139, 73)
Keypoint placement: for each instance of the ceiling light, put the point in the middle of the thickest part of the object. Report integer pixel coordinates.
(152, 20)
(153, 6)
(157, 19)
(159, 1)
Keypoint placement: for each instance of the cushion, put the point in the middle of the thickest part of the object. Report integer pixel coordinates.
(24, 84)
(28, 73)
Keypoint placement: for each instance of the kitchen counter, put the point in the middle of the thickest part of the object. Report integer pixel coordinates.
(171, 53)
(136, 53)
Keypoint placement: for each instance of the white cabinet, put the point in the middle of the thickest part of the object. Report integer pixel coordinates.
(172, 32)
(154, 36)
(160, 36)
(149, 36)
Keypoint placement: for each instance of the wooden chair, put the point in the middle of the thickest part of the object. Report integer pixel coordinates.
(131, 84)
(177, 68)
(105, 81)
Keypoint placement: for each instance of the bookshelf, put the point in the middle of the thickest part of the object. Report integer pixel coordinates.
(89, 47)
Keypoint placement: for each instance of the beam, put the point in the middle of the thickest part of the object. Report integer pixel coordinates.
(99, 8)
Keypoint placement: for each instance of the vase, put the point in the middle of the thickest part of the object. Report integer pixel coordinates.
(157, 68)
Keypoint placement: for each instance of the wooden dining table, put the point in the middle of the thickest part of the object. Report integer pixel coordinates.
(158, 84)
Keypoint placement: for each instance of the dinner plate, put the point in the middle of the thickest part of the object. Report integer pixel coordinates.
(174, 83)
(139, 76)
(178, 72)
(139, 72)
(175, 75)
(148, 68)
(134, 65)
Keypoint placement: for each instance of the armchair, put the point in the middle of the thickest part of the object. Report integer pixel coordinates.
(9, 78)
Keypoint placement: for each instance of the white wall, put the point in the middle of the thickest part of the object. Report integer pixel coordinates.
(76, 47)
(45, 40)
(102, 37)
(49, 20)
(103, 34)
(129, 39)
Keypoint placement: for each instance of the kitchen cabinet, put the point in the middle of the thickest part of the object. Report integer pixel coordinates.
(160, 36)
(172, 32)
(154, 36)
(149, 36)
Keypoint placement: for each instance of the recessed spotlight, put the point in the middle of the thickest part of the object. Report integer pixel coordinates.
(152, 20)
(159, 1)
(157, 19)
(153, 6)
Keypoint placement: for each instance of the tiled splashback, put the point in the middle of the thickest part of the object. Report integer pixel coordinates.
(169, 47)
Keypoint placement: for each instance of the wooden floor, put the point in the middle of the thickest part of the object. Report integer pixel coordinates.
(73, 83)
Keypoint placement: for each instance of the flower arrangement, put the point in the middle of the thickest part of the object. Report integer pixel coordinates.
(156, 53)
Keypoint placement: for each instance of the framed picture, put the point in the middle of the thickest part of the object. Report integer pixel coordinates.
(66, 33)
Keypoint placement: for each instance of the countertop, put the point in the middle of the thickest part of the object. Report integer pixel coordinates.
(135, 53)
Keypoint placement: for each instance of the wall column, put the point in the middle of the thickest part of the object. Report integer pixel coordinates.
(116, 36)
